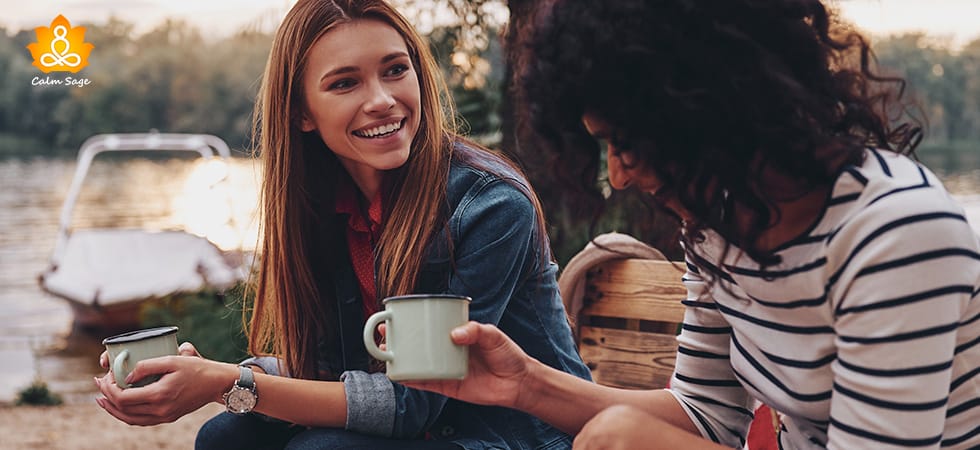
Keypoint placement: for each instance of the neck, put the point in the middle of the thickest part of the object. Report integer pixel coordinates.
(792, 218)
(368, 180)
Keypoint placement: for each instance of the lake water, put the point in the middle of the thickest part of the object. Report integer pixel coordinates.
(37, 337)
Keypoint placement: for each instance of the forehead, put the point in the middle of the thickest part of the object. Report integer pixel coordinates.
(595, 125)
(348, 42)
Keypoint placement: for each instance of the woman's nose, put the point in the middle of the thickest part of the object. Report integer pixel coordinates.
(379, 98)
(619, 177)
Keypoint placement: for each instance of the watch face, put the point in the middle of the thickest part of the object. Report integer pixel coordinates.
(241, 400)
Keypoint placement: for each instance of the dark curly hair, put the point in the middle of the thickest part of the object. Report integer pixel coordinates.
(708, 93)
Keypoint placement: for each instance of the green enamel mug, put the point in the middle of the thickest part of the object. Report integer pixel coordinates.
(418, 345)
(127, 349)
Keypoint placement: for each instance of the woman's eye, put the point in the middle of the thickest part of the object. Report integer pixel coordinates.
(342, 84)
(397, 69)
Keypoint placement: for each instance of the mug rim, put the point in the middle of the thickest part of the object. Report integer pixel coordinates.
(428, 296)
(139, 335)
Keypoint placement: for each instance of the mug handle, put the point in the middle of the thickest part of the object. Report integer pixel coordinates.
(369, 327)
(117, 368)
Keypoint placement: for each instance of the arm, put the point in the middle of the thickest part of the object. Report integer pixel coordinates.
(190, 382)
(501, 374)
(907, 274)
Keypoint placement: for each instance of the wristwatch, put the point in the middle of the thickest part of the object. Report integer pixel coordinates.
(243, 396)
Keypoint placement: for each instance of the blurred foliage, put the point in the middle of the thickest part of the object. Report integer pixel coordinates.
(168, 78)
(211, 321)
(943, 84)
(37, 394)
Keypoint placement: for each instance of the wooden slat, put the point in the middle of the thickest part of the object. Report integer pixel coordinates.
(636, 289)
(628, 359)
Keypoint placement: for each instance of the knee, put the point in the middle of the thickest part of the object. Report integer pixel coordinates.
(330, 438)
(219, 432)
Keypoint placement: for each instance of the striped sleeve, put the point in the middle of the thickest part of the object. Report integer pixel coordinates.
(703, 381)
(904, 277)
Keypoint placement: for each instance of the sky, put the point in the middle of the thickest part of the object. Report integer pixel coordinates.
(956, 20)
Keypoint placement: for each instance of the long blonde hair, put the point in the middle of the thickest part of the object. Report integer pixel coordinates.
(290, 316)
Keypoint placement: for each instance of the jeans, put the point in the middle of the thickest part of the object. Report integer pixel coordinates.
(228, 431)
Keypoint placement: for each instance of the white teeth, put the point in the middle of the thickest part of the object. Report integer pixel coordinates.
(377, 131)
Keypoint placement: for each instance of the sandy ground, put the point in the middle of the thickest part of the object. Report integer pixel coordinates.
(85, 426)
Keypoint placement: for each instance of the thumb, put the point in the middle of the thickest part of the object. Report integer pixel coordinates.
(187, 349)
(483, 335)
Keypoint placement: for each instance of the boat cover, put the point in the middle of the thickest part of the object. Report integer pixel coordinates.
(108, 266)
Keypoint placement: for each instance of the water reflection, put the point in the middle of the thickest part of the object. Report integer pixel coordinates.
(36, 335)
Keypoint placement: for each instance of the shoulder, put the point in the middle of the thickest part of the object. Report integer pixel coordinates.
(889, 187)
(892, 199)
(474, 170)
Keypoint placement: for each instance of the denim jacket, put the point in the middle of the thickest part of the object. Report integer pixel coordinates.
(512, 281)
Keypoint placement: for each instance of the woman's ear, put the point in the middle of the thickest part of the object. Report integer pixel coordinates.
(305, 124)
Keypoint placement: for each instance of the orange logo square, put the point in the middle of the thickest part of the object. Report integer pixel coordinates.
(60, 48)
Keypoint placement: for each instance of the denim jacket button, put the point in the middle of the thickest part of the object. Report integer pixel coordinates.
(447, 431)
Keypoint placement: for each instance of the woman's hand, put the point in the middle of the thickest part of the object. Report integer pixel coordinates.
(185, 349)
(497, 368)
(188, 382)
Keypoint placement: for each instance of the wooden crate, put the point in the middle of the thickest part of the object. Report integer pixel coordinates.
(628, 325)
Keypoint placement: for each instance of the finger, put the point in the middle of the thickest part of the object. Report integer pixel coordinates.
(132, 419)
(383, 329)
(152, 366)
(104, 360)
(121, 397)
(187, 349)
(108, 389)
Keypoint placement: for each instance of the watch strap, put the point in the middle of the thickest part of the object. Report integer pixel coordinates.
(246, 378)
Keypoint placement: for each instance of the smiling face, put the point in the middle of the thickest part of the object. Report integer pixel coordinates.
(362, 97)
(626, 170)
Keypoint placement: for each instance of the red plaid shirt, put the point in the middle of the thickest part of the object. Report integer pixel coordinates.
(362, 232)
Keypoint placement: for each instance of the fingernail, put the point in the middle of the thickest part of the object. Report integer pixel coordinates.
(97, 382)
(129, 379)
(459, 333)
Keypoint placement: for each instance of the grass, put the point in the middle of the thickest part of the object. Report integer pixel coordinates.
(212, 321)
(37, 394)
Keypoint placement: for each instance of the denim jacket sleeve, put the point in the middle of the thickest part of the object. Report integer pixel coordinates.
(494, 232)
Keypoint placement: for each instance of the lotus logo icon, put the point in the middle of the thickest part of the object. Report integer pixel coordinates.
(60, 48)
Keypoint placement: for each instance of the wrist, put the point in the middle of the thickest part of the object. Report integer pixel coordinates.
(227, 378)
(243, 395)
(532, 386)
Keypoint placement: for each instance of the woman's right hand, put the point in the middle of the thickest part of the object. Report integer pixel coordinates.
(497, 368)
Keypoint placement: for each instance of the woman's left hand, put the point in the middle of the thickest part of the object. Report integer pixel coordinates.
(188, 382)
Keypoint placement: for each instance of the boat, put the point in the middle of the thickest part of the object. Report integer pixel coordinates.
(107, 274)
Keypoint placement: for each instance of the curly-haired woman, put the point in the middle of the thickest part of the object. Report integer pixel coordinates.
(830, 276)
